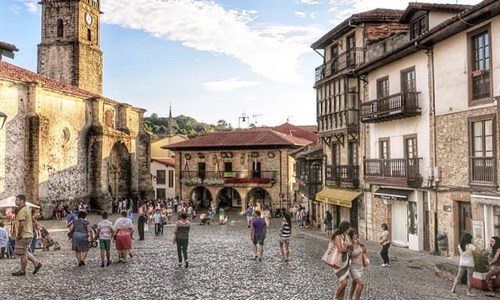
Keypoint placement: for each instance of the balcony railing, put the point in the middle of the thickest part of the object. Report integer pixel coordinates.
(232, 177)
(310, 189)
(351, 58)
(400, 172)
(343, 174)
(482, 170)
(397, 106)
(341, 121)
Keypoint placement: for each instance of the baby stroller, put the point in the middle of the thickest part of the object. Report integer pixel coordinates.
(48, 241)
(93, 243)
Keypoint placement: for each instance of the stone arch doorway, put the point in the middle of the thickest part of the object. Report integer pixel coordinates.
(229, 197)
(202, 195)
(258, 196)
(119, 172)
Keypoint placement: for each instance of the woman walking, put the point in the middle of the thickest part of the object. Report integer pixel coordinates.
(82, 233)
(356, 270)
(384, 239)
(494, 264)
(181, 238)
(466, 262)
(285, 234)
(123, 236)
(343, 243)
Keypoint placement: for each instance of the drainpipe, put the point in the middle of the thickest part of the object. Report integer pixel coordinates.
(433, 159)
(281, 177)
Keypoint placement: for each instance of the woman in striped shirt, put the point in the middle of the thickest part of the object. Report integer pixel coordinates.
(285, 233)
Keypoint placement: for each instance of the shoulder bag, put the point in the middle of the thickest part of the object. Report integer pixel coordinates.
(332, 256)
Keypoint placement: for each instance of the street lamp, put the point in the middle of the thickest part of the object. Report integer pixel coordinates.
(3, 118)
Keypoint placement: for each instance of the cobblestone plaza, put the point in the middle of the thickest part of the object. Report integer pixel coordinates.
(221, 267)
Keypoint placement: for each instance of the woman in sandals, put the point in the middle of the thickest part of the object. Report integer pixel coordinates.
(343, 243)
(356, 269)
(494, 265)
(466, 263)
(285, 234)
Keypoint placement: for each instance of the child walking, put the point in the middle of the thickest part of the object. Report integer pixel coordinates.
(181, 238)
(105, 232)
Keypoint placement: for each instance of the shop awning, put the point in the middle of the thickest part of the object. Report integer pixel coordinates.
(393, 194)
(338, 197)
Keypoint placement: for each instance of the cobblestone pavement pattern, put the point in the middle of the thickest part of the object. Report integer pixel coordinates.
(220, 268)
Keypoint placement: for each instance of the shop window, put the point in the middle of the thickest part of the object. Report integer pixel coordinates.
(412, 218)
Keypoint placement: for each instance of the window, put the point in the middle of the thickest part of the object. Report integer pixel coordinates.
(408, 80)
(351, 50)
(335, 58)
(201, 170)
(496, 220)
(481, 59)
(170, 178)
(353, 153)
(228, 167)
(482, 164)
(412, 218)
(89, 35)
(60, 28)
(160, 177)
(410, 144)
(384, 149)
(383, 87)
(417, 27)
(161, 194)
(335, 154)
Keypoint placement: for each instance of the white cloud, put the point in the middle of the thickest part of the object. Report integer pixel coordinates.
(300, 14)
(310, 2)
(30, 5)
(206, 26)
(228, 85)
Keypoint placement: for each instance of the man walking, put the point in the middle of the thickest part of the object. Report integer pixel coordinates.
(258, 235)
(24, 236)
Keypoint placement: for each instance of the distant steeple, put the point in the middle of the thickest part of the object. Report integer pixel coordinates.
(170, 123)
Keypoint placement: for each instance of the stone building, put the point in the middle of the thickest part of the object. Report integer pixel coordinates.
(429, 128)
(64, 141)
(236, 168)
(350, 44)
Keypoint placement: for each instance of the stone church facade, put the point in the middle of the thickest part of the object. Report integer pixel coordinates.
(62, 140)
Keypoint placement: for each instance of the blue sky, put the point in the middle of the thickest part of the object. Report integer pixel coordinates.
(211, 60)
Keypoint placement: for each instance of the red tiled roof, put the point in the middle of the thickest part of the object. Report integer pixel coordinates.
(241, 138)
(12, 72)
(416, 6)
(296, 131)
(166, 161)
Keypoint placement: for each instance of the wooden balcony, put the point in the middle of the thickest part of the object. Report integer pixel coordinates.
(343, 175)
(349, 59)
(482, 171)
(310, 189)
(397, 106)
(398, 172)
(228, 178)
(345, 121)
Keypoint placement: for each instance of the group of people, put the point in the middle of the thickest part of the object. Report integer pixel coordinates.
(466, 248)
(351, 258)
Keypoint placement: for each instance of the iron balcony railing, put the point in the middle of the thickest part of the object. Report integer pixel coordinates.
(399, 171)
(482, 170)
(221, 177)
(348, 59)
(347, 174)
(396, 106)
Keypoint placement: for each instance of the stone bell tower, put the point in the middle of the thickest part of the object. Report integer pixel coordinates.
(70, 48)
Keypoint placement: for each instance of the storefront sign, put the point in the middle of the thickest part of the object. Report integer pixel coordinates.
(478, 230)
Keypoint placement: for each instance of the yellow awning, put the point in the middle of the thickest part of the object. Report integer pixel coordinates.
(339, 197)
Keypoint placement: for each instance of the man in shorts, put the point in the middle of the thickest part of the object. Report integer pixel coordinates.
(258, 235)
(24, 236)
(105, 232)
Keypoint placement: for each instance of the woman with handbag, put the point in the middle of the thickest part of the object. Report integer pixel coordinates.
(343, 246)
(358, 262)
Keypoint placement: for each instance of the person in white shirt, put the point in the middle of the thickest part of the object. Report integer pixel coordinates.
(105, 233)
(384, 239)
(4, 239)
(466, 263)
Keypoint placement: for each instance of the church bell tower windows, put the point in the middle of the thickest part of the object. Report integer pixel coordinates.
(60, 28)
